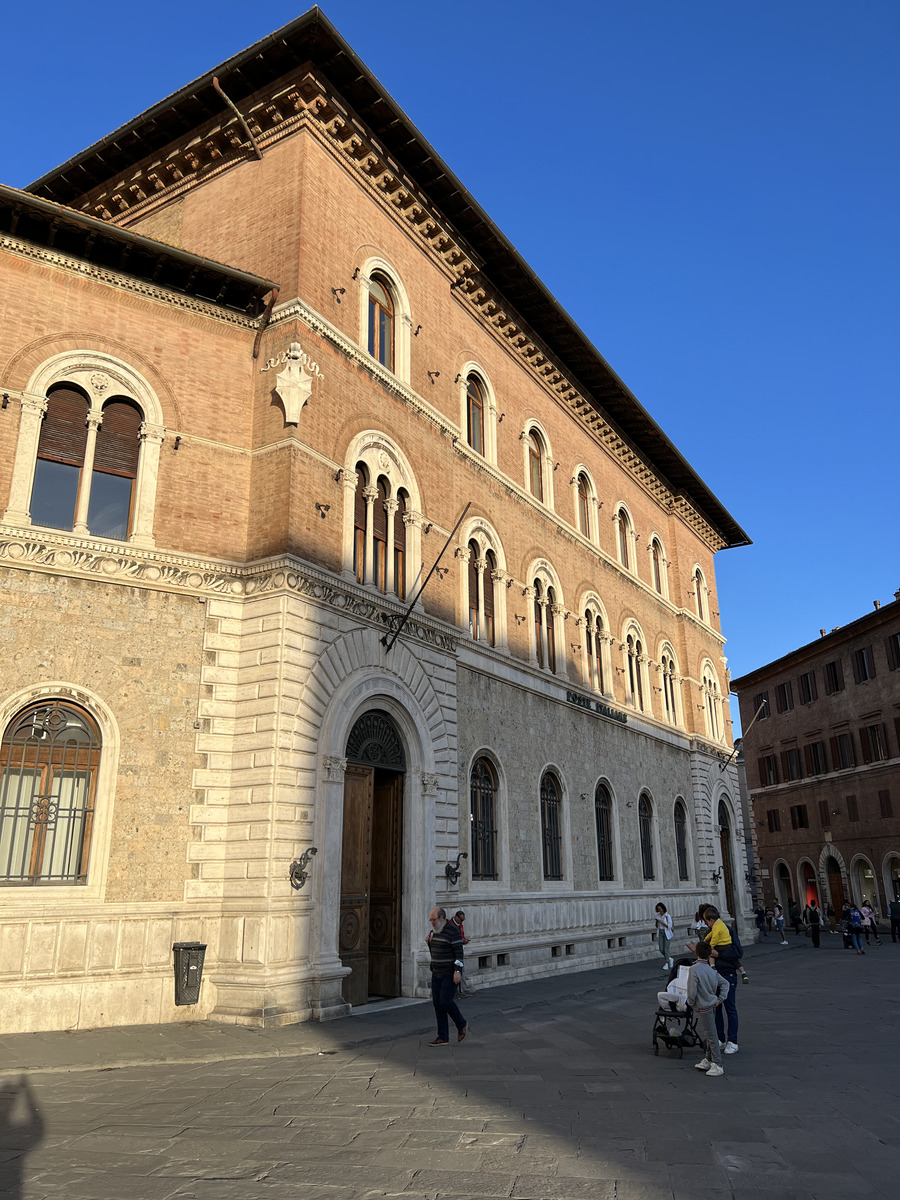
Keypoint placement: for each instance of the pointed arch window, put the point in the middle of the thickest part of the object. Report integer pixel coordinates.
(551, 630)
(645, 821)
(475, 414)
(681, 840)
(593, 637)
(400, 545)
(667, 669)
(624, 538)
(711, 694)
(603, 818)
(381, 322)
(700, 594)
(380, 535)
(60, 459)
(539, 604)
(635, 650)
(115, 470)
(656, 562)
(584, 511)
(551, 827)
(474, 606)
(360, 523)
(483, 820)
(49, 759)
(535, 450)
(489, 582)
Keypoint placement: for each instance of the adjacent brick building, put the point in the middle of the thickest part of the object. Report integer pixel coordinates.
(223, 486)
(823, 764)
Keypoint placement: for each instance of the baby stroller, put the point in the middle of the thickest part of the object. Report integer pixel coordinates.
(674, 1024)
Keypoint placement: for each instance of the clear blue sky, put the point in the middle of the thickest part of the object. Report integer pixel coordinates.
(709, 188)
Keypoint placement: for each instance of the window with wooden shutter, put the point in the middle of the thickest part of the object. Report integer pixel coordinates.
(60, 457)
(474, 553)
(489, 596)
(884, 801)
(379, 536)
(824, 814)
(116, 457)
(834, 677)
(863, 664)
(400, 546)
(551, 630)
(892, 648)
(359, 524)
(852, 808)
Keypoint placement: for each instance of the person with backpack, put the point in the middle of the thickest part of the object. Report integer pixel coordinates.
(854, 928)
(725, 957)
(870, 923)
(813, 918)
(894, 914)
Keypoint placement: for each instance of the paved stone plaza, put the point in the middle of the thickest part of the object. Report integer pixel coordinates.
(555, 1094)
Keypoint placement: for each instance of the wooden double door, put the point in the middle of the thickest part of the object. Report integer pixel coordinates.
(369, 932)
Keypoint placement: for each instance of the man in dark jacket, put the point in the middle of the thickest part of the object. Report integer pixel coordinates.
(446, 946)
(813, 918)
(894, 914)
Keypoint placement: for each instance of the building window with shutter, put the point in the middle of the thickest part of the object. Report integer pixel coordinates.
(843, 753)
(657, 566)
(892, 649)
(793, 768)
(852, 808)
(806, 687)
(49, 759)
(874, 743)
(884, 801)
(834, 677)
(584, 511)
(475, 414)
(816, 763)
(381, 322)
(773, 819)
(534, 449)
(768, 770)
(863, 664)
(784, 697)
(761, 706)
(799, 817)
(824, 814)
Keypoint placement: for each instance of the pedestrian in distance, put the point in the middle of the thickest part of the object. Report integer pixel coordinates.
(830, 917)
(813, 918)
(796, 916)
(706, 990)
(761, 921)
(894, 914)
(855, 928)
(664, 931)
(870, 924)
(779, 923)
(459, 920)
(447, 961)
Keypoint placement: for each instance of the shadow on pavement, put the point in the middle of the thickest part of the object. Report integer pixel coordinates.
(21, 1131)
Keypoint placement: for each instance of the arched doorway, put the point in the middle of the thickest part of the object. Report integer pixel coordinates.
(892, 879)
(809, 888)
(371, 861)
(863, 883)
(727, 858)
(835, 884)
(784, 891)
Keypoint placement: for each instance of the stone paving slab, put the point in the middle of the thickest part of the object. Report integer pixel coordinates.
(801, 1113)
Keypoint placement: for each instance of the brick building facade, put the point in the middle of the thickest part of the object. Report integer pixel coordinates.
(223, 487)
(823, 765)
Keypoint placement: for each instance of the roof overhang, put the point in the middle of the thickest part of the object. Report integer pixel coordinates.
(313, 39)
(65, 231)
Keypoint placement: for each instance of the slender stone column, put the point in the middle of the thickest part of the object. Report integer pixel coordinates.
(371, 495)
(32, 414)
(94, 421)
(390, 508)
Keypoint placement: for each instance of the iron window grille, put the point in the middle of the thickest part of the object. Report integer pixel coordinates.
(49, 759)
(681, 841)
(551, 831)
(603, 816)
(483, 820)
(645, 817)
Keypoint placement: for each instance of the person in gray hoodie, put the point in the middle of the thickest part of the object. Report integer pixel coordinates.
(706, 990)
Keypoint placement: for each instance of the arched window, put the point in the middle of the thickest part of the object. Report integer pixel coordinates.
(49, 758)
(681, 840)
(657, 567)
(551, 631)
(593, 637)
(474, 605)
(711, 696)
(381, 322)
(635, 652)
(539, 603)
(551, 827)
(400, 545)
(360, 523)
(483, 820)
(584, 511)
(475, 414)
(667, 670)
(700, 594)
(60, 459)
(380, 536)
(489, 583)
(603, 815)
(535, 450)
(645, 820)
(625, 533)
(86, 468)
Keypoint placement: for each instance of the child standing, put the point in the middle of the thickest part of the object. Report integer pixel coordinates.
(706, 990)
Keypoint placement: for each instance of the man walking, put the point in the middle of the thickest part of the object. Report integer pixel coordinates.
(446, 946)
(813, 919)
(894, 914)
